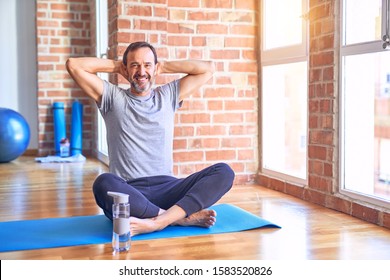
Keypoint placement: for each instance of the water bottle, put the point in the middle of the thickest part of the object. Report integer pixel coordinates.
(121, 222)
(64, 147)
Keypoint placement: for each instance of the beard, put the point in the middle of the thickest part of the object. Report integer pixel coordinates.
(140, 84)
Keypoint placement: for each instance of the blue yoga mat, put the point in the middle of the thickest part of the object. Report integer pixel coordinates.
(85, 230)
(76, 136)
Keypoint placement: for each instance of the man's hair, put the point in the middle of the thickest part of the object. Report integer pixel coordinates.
(137, 45)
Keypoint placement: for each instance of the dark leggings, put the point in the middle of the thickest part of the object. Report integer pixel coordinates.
(148, 194)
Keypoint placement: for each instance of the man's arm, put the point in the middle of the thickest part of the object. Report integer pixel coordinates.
(198, 73)
(84, 71)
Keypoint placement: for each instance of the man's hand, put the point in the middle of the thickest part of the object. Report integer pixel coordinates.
(198, 73)
(160, 66)
(121, 69)
(84, 71)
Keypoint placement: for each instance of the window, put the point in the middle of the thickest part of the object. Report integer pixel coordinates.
(284, 89)
(365, 101)
(101, 48)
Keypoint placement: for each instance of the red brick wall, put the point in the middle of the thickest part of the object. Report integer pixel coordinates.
(63, 30)
(323, 135)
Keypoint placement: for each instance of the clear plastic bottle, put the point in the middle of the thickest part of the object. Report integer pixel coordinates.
(64, 147)
(121, 239)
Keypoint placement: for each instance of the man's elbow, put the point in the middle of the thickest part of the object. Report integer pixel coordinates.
(211, 68)
(70, 65)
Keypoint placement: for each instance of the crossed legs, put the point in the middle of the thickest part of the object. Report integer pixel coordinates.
(159, 201)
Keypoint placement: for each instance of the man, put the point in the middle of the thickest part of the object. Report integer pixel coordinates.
(139, 125)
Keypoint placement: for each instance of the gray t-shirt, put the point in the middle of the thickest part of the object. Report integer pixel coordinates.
(140, 130)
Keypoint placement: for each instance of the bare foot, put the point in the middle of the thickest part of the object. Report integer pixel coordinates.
(138, 226)
(203, 218)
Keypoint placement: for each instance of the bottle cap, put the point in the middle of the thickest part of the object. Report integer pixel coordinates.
(64, 141)
(119, 197)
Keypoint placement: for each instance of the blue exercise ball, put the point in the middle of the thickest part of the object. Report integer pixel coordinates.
(14, 135)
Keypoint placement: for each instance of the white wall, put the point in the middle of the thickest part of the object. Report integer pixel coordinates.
(18, 70)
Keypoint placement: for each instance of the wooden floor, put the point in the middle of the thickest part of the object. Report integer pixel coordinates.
(30, 190)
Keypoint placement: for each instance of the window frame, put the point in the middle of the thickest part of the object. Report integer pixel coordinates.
(279, 56)
(345, 50)
(101, 51)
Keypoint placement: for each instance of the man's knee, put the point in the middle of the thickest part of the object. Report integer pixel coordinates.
(226, 170)
(99, 186)
(226, 174)
(103, 183)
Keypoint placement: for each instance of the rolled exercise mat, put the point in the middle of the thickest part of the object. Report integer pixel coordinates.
(76, 136)
(59, 125)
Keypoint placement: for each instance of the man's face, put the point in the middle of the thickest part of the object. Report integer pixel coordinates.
(141, 71)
